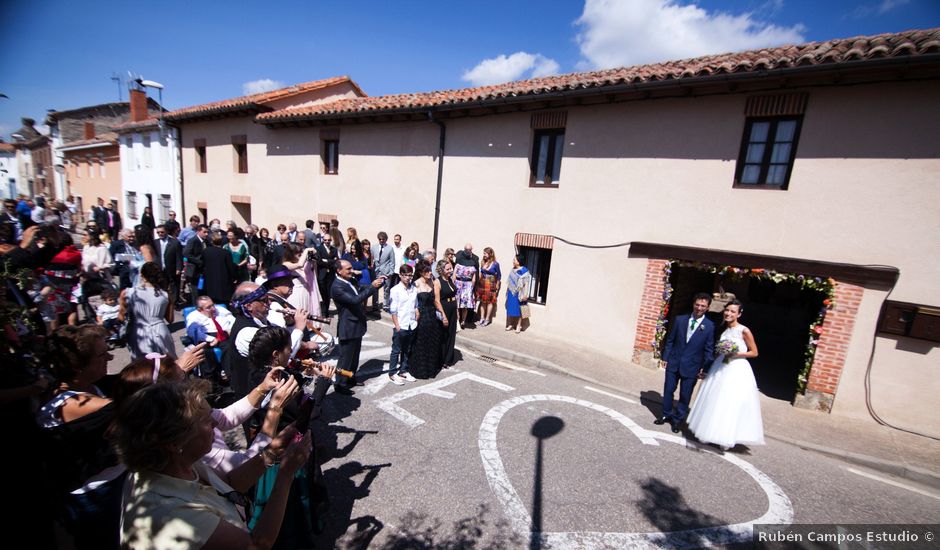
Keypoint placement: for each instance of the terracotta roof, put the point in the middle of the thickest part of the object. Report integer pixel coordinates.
(7, 148)
(256, 102)
(107, 138)
(842, 51)
(129, 126)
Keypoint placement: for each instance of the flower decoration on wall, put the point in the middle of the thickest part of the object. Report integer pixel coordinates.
(807, 282)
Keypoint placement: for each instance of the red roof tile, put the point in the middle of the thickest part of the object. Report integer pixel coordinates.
(129, 126)
(256, 101)
(107, 138)
(862, 48)
(7, 148)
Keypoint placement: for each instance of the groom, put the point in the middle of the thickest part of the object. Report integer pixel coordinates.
(689, 349)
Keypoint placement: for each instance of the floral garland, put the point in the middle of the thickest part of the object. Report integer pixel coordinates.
(824, 285)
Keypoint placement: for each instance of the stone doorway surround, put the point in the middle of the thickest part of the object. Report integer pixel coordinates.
(834, 342)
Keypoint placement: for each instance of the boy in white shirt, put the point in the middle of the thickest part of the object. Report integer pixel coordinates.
(402, 307)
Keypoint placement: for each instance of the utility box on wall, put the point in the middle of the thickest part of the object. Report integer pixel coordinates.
(926, 324)
(911, 320)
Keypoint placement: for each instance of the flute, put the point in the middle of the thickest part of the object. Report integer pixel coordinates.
(312, 363)
(290, 312)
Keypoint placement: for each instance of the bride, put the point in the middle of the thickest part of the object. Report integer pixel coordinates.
(727, 409)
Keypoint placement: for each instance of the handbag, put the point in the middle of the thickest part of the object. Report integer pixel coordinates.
(524, 308)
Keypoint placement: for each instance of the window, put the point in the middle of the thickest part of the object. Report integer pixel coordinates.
(164, 201)
(331, 156)
(200, 147)
(91, 166)
(240, 145)
(767, 151)
(132, 204)
(547, 148)
(538, 261)
(101, 164)
(145, 141)
(129, 153)
(164, 154)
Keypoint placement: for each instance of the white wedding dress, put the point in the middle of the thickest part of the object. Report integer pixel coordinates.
(727, 409)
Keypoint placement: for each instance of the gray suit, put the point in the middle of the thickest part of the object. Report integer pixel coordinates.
(385, 265)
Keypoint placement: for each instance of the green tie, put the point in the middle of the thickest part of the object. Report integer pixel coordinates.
(694, 321)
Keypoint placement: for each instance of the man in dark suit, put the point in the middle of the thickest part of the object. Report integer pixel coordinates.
(326, 260)
(170, 252)
(219, 272)
(311, 237)
(689, 350)
(350, 300)
(99, 214)
(112, 221)
(193, 252)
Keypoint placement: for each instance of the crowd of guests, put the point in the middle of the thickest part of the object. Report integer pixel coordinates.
(138, 460)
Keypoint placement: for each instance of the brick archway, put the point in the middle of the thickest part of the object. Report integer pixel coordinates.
(831, 351)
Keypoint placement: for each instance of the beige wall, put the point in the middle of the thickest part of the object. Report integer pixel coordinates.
(864, 190)
(90, 187)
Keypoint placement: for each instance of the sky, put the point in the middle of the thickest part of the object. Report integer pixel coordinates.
(62, 54)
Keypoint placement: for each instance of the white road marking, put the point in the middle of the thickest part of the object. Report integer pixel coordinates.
(389, 404)
(372, 344)
(779, 510)
(608, 394)
(374, 353)
(376, 384)
(894, 483)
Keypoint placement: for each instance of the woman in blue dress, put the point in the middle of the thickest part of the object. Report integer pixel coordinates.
(360, 264)
(517, 294)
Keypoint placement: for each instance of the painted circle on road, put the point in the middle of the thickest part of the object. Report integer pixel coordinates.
(779, 509)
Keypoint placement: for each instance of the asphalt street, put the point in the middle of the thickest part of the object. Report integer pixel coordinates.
(488, 453)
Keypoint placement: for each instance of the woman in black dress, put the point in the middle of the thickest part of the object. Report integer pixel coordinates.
(426, 350)
(147, 219)
(446, 295)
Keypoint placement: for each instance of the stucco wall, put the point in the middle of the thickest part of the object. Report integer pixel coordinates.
(89, 188)
(864, 190)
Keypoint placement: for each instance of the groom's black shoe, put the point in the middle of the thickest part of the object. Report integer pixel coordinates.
(675, 426)
(660, 421)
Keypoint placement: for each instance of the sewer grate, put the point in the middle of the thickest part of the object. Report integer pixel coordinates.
(487, 358)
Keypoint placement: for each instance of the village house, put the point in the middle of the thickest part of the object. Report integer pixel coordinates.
(86, 147)
(150, 163)
(802, 179)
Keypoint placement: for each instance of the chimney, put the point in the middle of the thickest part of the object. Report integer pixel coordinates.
(138, 106)
(89, 130)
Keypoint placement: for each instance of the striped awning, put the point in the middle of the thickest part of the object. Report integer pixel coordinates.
(533, 240)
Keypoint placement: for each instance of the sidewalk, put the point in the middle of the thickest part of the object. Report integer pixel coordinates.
(857, 441)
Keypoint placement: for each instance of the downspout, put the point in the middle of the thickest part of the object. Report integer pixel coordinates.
(179, 176)
(440, 176)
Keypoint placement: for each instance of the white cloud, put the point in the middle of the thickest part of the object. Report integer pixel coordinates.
(262, 85)
(615, 33)
(514, 67)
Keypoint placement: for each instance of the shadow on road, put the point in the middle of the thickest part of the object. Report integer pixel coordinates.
(653, 401)
(666, 508)
(420, 532)
(542, 429)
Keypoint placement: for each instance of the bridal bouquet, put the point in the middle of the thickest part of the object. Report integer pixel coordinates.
(726, 348)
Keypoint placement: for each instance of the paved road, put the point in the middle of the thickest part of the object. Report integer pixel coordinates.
(489, 452)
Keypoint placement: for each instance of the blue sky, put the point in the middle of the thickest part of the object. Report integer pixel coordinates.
(58, 54)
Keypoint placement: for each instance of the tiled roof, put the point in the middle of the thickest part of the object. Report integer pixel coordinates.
(842, 51)
(7, 148)
(107, 138)
(129, 126)
(256, 101)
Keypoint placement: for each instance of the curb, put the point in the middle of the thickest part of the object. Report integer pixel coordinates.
(896, 469)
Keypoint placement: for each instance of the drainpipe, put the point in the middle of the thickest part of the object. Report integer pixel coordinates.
(440, 176)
